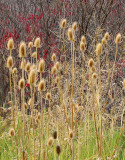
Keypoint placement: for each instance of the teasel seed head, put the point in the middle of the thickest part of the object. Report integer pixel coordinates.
(124, 84)
(41, 86)
(91, 63)
(30, 44)
(25, 155)
(103, 41)
(11, 132)
(74, 26)
(53, 57)
(27, 68)
(22, 49)
(82, 47)
(57, 65)
(48, 96)
(41, 66)
(71, 134)
(25, 105)
(63, 23)
(39, 116)
(57, 79)
(70, 34)
(37, 120)
(58, 149)
(32, 77)
(10, 44)
(50, 141)
(93, 69)
(106, 36)
(21, 84)
(99, 49)
(83, 39)
(54, 70)
(118, 38)
(34, 55)
(37, 42)
(94, 76)
(15, 71)
(23, 64)
(55, 134)
(10, 62)
(30, 102)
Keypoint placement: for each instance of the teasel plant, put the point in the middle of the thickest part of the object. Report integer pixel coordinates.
(32, 82)
(10, 46)
(37, 45)
(63, 26)
(74, 27)
(98, 53)
(41, 88)
(30, 45)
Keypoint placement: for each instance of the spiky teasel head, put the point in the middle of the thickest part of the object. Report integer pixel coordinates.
(22, 49)
(10, 62)
(39, 116)
(124, 84)
(82, 47)
(91, 63)
(57, 79)
(27, 68)
(98, 49)
(70, 34)
(74, 26)
(10, 44)
(48, 96)
(25, 155)
(53, 57)
(83, 39)
(94, 76)
(21, 84)
(34, 55)
(41, 86)
(30, 44)
(71, 134)
(15, 71)
(23, 64)
(32, 77)
(57, 65)
(37, 120)
(58, 149)
(50, 142)
(30, 102)
(103, 41)
(54, 70)
(55, 134)
(11, 132)
(25, 106)
(106, 36)
(41, 66)
(118, 38)
(63, 23)
(93, 69)
(37, 42)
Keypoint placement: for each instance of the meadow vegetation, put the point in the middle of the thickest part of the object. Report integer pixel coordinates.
(72, 111)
